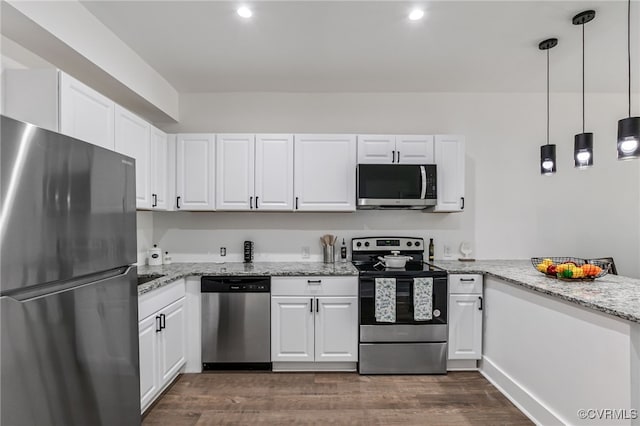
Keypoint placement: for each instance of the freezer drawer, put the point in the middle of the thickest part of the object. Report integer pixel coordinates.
(70, 357)
(403, 358)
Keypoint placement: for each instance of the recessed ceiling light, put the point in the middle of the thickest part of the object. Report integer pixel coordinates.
(416, 14)
(245, 12)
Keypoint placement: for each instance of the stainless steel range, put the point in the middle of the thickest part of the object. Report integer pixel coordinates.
(403, 311)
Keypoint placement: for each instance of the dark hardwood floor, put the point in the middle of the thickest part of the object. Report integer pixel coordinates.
(244, 398)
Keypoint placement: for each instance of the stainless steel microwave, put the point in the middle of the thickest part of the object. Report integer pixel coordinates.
(396, 186)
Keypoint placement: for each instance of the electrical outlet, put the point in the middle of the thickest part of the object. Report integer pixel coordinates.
(305, 252)
(223, 251)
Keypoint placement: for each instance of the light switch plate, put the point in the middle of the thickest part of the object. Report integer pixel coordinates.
(305, 252)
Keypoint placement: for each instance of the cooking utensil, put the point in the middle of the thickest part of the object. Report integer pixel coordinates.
(394, 260)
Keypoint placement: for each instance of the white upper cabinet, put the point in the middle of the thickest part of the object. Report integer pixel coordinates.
(325, 172)
(235, 156)
(390, 149)
(449, 158)
(376, 149)
(274, 172)
(159, 169)
(195, 178)
(414, 149)
(86, 114)
(133, 138)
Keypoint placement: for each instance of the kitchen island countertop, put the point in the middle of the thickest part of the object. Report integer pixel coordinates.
(176, 271)
(612, 294)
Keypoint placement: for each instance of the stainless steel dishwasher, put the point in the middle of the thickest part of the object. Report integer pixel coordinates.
(236, 323)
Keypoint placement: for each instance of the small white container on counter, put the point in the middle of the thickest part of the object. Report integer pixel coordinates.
(155, 256)
(167, 258)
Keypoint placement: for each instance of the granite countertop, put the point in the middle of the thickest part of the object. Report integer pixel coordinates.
(176, 271)
(612, 294)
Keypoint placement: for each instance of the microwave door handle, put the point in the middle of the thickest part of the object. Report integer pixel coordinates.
(423, 174)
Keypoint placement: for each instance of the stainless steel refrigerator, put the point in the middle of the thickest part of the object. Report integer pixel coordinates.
(68, 290)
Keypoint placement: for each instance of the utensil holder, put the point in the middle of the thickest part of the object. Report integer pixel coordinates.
(328, 254)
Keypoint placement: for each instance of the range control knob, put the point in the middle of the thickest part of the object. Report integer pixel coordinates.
(417, 243)
(358, 244)
(409, 244)
(366, 244)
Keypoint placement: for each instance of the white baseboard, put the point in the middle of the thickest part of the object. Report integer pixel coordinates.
(462, 365)
(530, 406)
(314, 366)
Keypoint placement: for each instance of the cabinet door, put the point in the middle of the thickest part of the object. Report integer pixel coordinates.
(465, 326)
(292, 329)
(274, 172)
(235, 172)
(376, 149)
(336, 329)
(86, 114)
(325, 172)
(159, 169)
(133, 138)
(148, 341)
(173, 343)
(414, 149)
(449, 158)
(195, 179)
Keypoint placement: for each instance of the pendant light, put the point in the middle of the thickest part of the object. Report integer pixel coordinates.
(548, 151)
(629, 128)
(583, 143)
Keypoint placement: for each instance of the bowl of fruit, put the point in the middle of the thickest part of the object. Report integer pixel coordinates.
(571, 268)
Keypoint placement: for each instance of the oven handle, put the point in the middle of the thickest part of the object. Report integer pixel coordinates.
(423, 174)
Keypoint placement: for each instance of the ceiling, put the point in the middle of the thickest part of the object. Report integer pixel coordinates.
(371, 46)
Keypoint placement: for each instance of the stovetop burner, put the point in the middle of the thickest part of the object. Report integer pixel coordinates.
(411, 268)
(367, 250)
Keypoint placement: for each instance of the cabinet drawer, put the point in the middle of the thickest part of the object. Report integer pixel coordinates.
(465, 284)
(155, 300)
(314, 286)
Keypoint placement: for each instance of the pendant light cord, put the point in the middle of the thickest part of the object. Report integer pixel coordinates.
(582, 78)
(547, 96)
(629, 49)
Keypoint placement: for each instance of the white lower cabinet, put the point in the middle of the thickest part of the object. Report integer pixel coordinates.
(314, 321)
(465, 318)
(292, 329)
(161, 339)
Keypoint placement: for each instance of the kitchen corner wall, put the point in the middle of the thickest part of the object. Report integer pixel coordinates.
(144, 235)
(511, 210)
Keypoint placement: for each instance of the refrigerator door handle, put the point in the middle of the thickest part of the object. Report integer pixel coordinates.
(28, 294)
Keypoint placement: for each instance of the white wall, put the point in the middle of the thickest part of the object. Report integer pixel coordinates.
(144, 235)
(512, 211)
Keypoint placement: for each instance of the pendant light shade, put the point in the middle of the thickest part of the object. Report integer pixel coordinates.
(629, 138)
(548, 151)
(548, 159)
(583, 150)
(629, 128)
(583, 143)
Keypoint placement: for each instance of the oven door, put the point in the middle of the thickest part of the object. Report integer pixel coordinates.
(396, 186)
(404, 301)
